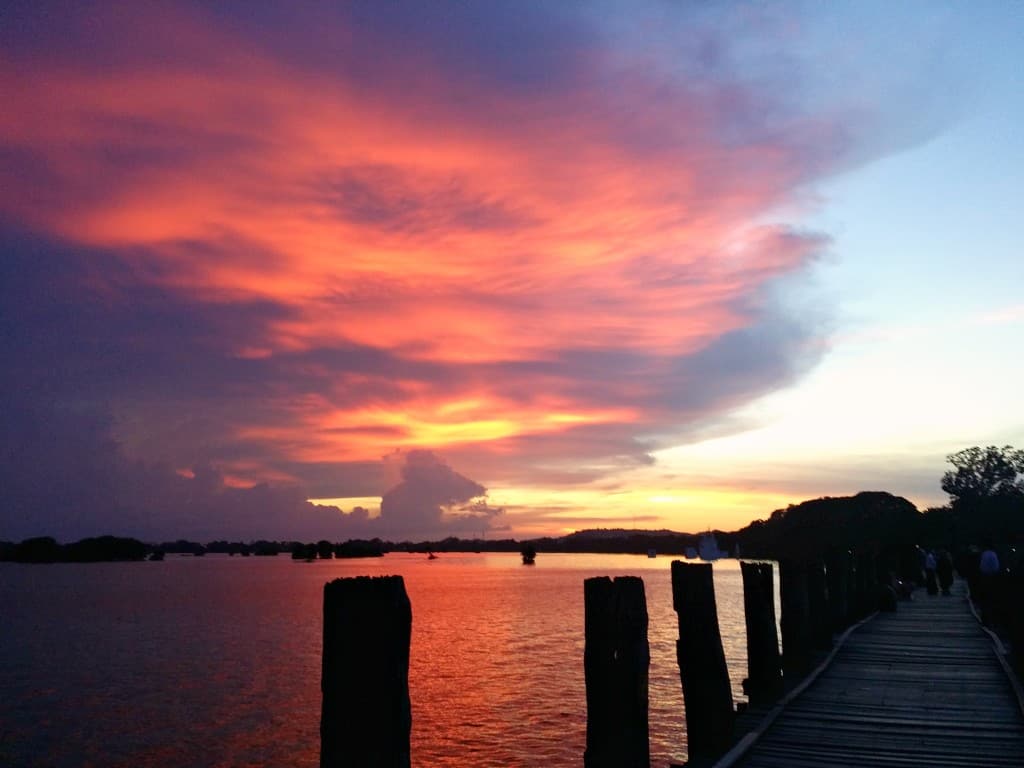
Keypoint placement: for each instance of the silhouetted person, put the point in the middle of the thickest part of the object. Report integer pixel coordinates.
(989, 563)
(988, 574)
(944, 569)
(929, 574)
(921, 557)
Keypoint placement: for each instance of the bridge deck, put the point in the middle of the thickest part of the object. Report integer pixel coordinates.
(919, 687)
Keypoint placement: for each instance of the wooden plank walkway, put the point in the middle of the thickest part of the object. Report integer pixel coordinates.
(919, 687)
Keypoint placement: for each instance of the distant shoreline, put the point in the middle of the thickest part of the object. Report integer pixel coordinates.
(876, 522)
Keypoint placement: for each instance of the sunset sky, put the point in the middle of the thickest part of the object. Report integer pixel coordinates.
(500, 268)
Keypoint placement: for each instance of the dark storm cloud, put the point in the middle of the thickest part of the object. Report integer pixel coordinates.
(82, 323)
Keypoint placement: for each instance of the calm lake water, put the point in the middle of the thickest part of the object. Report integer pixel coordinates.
(215, 661)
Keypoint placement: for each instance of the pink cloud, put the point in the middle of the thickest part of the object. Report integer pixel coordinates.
(507, 263)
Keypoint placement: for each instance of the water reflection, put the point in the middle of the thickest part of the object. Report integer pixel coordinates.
(217, 661)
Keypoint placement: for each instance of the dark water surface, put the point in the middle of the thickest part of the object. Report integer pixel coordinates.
(215, 661)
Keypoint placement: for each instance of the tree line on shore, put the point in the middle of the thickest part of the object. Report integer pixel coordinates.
(986, 488)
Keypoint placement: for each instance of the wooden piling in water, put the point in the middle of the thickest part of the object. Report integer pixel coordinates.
(616, 661)
(837, 576)
(818, 606)
(707, 693)
(795, 620)
(764, 665)
(867, 583)
(366, 716)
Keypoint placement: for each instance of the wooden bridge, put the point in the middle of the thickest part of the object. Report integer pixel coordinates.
(924, 686)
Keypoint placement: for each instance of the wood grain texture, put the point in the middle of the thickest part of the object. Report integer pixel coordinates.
(919, 687)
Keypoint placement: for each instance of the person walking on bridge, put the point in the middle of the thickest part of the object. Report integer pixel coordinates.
(988, 576)
(929, 573)
(944, 568)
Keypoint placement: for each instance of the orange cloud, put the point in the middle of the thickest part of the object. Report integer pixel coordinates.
(451, 224)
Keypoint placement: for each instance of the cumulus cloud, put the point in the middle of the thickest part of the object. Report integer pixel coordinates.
(63, 473)
(433, 497)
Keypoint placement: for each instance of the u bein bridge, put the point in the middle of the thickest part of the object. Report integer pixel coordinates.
(861, 680)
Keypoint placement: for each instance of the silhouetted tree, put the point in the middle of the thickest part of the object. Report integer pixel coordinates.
(41, 549)
(359, 548)
(869, 521)
(104, 549)
(302, 551)
(985, 473)
(986, 486)
(938, 529)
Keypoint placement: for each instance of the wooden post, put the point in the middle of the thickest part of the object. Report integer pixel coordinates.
(764, 666)
(366, 716)
(837, 574)
(867, 583)
(616, 659)
(817, 606)
(707, 693)
(853, 588)
(1016, 617)
(796, 635)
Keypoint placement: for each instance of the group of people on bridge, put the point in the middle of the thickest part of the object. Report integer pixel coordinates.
(938, 570)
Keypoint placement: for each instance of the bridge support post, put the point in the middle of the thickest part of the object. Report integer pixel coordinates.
(796, 630)
(764, 665)
(867, 583)
(366, 716)
(837, 574)
(818, 606)
(616, 661)
(707, 693)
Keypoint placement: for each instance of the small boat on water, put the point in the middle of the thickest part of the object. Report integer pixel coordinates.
(708, 549)
(431, 556)
(529, 553)
(652, 552)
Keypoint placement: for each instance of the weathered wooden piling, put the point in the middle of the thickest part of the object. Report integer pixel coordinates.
(867, 583)
(853, 589)
(795, 621)
(616, 660)
(764, 665)
(707, 693)
(837, 575)
(817, 606)
(366, 716)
